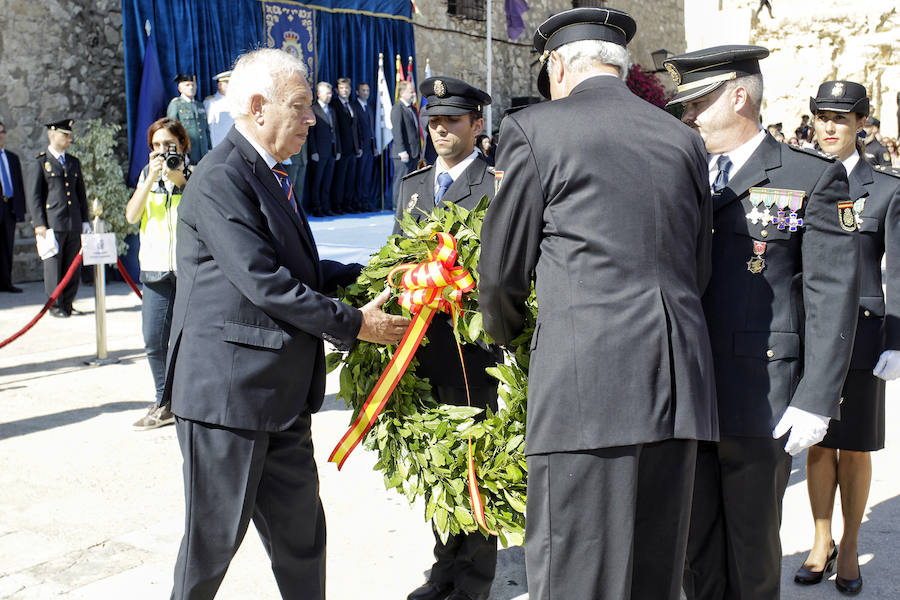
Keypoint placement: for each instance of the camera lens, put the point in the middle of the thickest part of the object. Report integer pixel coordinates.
(173, 161)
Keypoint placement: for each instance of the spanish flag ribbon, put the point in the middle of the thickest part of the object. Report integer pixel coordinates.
(436, 285)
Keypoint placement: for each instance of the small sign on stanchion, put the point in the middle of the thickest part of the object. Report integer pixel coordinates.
(99, 249)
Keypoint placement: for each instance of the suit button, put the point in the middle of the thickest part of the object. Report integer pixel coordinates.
(764, 233)
(867, 313)
(67, 184)
(770, 353)
(713, 230)
(70, 202)
(68, 193)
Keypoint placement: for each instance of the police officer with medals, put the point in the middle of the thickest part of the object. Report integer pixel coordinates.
(843, 458)
(781, 308)
(620, 384)
(218, 112)
(58, 201)
(464, 566)
(187, 109)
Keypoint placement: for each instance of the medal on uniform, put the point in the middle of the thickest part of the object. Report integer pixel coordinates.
(796, 203)
(858, 208)
(757, 263)
(756, 198)
(846, 216)
(781, 218)
(498, 179)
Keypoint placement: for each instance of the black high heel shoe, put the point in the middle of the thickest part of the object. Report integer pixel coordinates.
(806, 576)
(851, 587)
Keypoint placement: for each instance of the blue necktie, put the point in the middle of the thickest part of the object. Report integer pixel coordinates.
(4, 175)
(62, 160)
(724, 165)
(444, 182)
(286, 185)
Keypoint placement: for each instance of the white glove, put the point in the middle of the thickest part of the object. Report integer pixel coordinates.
(806, 429)
(888, 366)
(85, 227)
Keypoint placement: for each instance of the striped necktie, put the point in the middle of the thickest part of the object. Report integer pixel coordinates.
(286, 185)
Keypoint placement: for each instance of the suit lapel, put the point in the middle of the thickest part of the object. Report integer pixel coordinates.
(860, 178)
(767, 156)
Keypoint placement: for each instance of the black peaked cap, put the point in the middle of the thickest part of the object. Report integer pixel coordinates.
(703, 71)
(451, 96)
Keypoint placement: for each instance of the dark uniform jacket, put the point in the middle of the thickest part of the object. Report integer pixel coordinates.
(323, 136)
(439, 359)
(877, 154)
(619, 251)
(876, 193)
(58, 199)
(406, 132)
(783, 336)
(250, 311)
(365, 126)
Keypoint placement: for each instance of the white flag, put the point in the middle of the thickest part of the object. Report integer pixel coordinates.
(383, 128)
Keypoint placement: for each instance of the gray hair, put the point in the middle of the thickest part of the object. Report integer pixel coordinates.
(261, 72)
(583, 55)
(754, 86)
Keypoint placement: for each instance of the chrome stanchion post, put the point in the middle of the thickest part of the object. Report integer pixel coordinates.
(100, 294)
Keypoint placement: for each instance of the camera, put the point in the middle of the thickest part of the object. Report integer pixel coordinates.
(173, 158)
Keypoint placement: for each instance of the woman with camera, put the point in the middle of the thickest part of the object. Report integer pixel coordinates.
(155, 205)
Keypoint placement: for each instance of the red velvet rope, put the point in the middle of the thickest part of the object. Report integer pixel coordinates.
(128, 278)
(62, 284)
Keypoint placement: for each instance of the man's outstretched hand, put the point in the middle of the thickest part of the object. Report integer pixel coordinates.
(379, 327)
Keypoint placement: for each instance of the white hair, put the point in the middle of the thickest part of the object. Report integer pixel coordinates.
(261, 72)
(753, 84)
(584, 55)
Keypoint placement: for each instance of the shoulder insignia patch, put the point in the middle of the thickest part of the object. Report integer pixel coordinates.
(413, 200)
(416, 172)
(846, 215)
(47, 166)
(812, 152)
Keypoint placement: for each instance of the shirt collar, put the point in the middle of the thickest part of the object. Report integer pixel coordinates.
(270, 160)
(850, 162)
(739, 156)
(54, 153)
(454, 171)
(322, 104)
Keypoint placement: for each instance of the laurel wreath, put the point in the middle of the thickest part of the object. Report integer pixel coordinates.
(422, 445)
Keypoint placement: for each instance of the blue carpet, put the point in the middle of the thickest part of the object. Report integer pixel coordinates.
(351, 238)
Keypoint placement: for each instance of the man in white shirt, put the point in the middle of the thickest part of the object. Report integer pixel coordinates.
(218, 113)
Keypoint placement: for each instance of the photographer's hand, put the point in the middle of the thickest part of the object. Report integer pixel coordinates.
(176, 176)
(156, 163)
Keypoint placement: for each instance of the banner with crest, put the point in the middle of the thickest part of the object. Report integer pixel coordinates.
(292, 28)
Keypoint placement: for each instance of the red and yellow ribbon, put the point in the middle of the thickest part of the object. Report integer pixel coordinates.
(437, 284)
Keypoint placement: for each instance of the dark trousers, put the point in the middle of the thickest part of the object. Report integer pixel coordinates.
(7, 239)
(156, 323)
(401, 169)
(734, 548)
(320, 173)
(366, 185)
(343, 186)
(231, 476)
(611, 523)
(55, 268)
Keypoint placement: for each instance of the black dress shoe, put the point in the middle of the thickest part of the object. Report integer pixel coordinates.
(57, 312)
(431, 591)
(806, 576)
(11, 289)
(851, 587)
(461, 595)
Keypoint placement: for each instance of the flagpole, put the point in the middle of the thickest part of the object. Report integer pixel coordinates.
(488, 124)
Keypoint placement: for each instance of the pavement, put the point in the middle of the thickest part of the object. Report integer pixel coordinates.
(91, 509)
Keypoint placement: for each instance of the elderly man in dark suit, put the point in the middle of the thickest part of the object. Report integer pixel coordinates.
(464, 566)
(406, 147)
(12, 210)
(323, 150)
(781, 310)
(365, 132)
(247, 363)
(620, 381)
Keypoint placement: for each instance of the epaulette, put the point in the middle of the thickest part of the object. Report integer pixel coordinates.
(887, 170)
(40, 154)
(416, 172)
(491, 170)
(813, 152)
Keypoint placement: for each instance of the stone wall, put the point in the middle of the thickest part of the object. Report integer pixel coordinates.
(456, 46)
(58, 59)
(811, 41)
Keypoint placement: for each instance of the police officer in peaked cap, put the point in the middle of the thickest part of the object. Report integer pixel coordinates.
(620, 378)
(781, 310)
(464, 565)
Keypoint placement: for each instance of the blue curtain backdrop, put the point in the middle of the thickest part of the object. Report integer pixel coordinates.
(205, 36)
